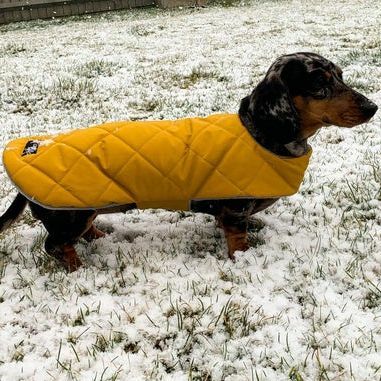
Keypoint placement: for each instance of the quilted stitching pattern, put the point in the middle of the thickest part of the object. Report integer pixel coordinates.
(151, 163)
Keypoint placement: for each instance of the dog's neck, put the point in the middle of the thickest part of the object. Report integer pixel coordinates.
(293, 149)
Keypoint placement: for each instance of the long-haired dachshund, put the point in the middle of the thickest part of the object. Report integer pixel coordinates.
(300, 93)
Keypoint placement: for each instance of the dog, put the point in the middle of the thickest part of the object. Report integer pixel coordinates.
(300, 93)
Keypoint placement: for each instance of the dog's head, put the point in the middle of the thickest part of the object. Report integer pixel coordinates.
(300, 93)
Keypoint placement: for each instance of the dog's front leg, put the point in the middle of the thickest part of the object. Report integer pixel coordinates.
(91, 231)
(62, 251)
(235, 226)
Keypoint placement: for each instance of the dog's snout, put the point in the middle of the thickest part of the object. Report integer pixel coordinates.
(368, 108)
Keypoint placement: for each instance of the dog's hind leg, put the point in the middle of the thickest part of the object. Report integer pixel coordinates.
(60, 244)
(93, 233)
(64, 252)
(65, 228)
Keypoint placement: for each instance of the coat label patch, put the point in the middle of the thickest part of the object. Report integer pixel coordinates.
(30, 148)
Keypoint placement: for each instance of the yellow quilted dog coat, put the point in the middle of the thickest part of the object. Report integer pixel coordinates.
(155, 164)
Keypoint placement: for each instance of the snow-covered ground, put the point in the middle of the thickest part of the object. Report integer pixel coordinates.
(157, 298)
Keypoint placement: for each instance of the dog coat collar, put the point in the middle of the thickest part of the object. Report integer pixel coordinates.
(155, 164)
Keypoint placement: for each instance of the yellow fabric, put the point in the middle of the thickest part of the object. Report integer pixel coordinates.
(160, 164)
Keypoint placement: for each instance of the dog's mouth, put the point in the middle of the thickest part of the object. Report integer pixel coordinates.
(344, 122)
(348, 120)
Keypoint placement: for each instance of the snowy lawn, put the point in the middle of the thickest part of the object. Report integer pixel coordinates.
(157, 298)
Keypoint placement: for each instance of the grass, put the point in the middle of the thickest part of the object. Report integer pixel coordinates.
(70, 91)
(371, 53)
(197, 75)
(12, 48)
(96, 68)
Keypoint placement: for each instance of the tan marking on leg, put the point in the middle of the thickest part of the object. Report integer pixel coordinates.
(70, 258)
(92, 233)
(236, 240)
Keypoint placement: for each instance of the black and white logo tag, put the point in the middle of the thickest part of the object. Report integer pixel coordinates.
(30, 148)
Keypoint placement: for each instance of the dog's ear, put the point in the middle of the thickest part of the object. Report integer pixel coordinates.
(272, 110)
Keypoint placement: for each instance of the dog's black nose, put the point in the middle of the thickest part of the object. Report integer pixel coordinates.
(369, 108)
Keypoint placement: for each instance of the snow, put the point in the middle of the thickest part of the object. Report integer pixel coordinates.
(157, 297)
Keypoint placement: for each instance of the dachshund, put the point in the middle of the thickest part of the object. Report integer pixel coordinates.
(299, 94)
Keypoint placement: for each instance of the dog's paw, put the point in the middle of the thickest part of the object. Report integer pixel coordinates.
(93, 233)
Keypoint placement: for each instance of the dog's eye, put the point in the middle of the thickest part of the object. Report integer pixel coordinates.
(321, 93)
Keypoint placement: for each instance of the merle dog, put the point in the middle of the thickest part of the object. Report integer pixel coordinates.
(300, 93)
